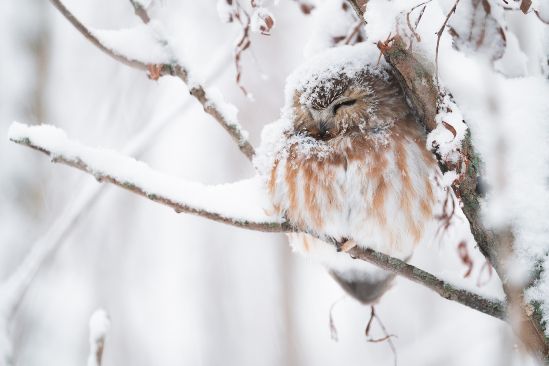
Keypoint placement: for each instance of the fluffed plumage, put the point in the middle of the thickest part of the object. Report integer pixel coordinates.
(351, 164)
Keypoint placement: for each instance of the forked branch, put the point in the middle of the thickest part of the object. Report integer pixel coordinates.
(212, 105)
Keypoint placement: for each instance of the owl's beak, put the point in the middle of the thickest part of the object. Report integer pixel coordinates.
(324, 127)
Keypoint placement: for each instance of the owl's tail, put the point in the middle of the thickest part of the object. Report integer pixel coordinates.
(362, 280)
(367, 290)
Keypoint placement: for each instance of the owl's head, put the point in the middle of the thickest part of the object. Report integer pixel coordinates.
(344, 91)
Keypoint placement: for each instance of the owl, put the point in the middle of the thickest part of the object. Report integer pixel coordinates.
(347, 162)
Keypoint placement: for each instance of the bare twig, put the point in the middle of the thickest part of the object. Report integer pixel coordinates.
(242, 44)
(175, 69)
(439, 35)
(543, 20)
(386, 337)
(140, 11)
(359, 7)
(333, 328)
(494, 308)
(354, 33)
(409, 22)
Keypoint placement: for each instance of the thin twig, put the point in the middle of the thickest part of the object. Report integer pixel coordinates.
(413, 29)
(439, 35)
(242, 44)
(333, 328)
(546, 21)
(354, 32)
(359, 7)
(387, 336)
(140, 11)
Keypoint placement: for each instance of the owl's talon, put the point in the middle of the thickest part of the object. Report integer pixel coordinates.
(345, 245)
(348, 245)
(154, 71)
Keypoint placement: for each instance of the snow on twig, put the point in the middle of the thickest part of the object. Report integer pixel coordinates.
(108, 41)
(238, 204)
(144, 42)
(100, 325)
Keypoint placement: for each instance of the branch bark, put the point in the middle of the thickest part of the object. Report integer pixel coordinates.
(494, 308)
(175, 69)
(490, 307)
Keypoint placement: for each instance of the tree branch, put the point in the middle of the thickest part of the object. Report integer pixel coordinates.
(64, 151)
(136, 177)
(494, 308)
(212, 106)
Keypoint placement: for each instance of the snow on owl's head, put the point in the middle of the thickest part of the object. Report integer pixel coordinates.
(341, 91)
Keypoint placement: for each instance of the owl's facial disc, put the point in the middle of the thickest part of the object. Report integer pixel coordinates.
(326, 122)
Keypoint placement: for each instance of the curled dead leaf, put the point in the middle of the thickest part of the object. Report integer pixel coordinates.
(463, 253)
(450, 128)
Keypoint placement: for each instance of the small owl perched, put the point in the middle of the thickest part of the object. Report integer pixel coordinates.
(348, 162)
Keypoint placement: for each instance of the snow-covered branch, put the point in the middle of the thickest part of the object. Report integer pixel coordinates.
(239, 204)
(162, 61)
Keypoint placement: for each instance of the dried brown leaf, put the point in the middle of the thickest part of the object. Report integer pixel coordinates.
(450, 128)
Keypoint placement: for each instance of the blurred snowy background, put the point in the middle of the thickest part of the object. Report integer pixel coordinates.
(180, 289)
